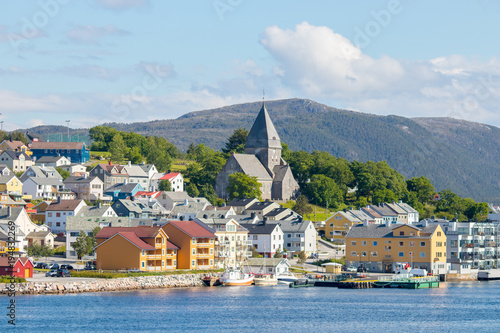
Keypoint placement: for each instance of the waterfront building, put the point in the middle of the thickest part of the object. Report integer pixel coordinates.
(266, 237)
(23, 267)
(134, 248)
(299, 235)
(339, 224)
(275, 266)
(380, 247)
(58, 211)
(195, 241)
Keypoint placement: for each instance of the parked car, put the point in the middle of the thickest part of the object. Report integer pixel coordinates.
(91, 265)
(54, 266)
(66, 267)
(63, 273)
(41, 265)
(362, 269)
(351, 269)
(51, 273)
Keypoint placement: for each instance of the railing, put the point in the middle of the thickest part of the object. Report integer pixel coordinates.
(154, 268)
(296, 239)
(203, 244)
(203, 255)
(153, 256)
(158, 245)
(404, 277)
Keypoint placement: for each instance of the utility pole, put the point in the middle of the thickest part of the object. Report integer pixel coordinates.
(67, 122)
(1, 125)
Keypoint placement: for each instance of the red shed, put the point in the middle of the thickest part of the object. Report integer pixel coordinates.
(23, 267)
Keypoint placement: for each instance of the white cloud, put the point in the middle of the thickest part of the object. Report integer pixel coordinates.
(90, 34)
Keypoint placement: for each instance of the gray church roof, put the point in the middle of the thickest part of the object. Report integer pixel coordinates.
(263, 134)
(252, 166)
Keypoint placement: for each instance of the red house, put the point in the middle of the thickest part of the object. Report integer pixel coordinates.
(22, 268)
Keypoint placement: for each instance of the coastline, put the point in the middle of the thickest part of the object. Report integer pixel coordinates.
(100, 285)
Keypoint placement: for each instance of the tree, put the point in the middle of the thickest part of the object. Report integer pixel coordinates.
(117, 148)
(322, 189)
(38, 250)
(207, 191)
(384, 195)
(165, 185)
(236, 142)
(422, 187)
(302, 257)
(302, 206)
(192, 190)
(64, 174)
(255, 253)
(83, 245)
(242, 185)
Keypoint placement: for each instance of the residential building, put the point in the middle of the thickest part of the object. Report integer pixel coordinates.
(75, 168)
(86, 188)
(40, 172)
(266, 237)
(46, 188)
(261, 209)
(110, 174)
(216, 212)
(189, 209)
(300, 235)
(134, 248)
(17, 161)
(402, 213)
(130, 208)
(274, 266)
(76, 152)
(279, 214)
(387, 213)
(371, 212)
(380, 247)
(176, 181)
(23, 267)
(13, 145)
(195, 242)
(413, 214)
(76, 224)
(25, 225)
(262, 159)
(241, 205)
(363, 216)
(339, 224)
(53, 161)
(171, 199)
(123, 190)
(151, 171)
(137, 175)
(10, 184)
(58, 211)
(4, 170)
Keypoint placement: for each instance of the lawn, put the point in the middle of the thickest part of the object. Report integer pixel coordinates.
(179, 165)
(321, 214)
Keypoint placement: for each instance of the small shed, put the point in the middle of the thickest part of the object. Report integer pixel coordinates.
(22, 267)
(332, 267)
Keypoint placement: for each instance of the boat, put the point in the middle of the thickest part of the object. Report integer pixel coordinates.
(407, 281)
(286, 278)
(491, 274)
(300, 283)
(236, 277)
(265, 280)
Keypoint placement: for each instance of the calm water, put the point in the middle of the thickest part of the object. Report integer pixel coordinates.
(455, 307)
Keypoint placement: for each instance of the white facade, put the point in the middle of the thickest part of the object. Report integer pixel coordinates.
(301, 240)
(41, 188)
(56, 219)
(269, 244)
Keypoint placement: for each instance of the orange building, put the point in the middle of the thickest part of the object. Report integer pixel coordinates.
(196, 243)
(141, 248)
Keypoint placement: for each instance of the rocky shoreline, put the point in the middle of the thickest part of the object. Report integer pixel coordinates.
(103, 285)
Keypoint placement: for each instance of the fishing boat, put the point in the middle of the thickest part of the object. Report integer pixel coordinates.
(265, 280)
(236, 277)
(286, 278)
(407, 281)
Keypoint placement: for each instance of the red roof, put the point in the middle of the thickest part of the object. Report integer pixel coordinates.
(172, 246)
(141, 232)
(65, 205)
(192, 228)
(148, 194)
(4, 261)
(132, 237)
(170, 175)
(57, 145)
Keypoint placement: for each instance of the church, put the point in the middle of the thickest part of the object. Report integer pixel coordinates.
(262, 159)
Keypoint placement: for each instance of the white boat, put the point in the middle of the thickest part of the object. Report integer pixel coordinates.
(286, 278)
(265, 280)
(235, 277)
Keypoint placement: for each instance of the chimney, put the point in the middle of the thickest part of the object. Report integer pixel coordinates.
(205, 216)
(8, 211)
(264, 220)
(85, 176)
(59, 199)
(125, 181)
(433, 217)
(99, 204)
(252, 215)
(223, 204)
(365, 222)
(109, 163)
(186, 202)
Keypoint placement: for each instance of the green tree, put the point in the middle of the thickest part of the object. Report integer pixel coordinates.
(192, 190)
(302, 206)
(165, 185)
(207, 191)
(302, 257)
(117, 148)
(83, 245)
(422, 187)
(384, 195)
(236, 142)
(37, 250)
(242, 185)
(64, 174)
(322, 189)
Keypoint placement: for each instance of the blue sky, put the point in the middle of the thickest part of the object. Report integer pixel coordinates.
(95, 61)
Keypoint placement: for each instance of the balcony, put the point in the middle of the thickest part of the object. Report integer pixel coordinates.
(203, 255)
(221, 254)
(153, 256)
(203, 244)
(245, 253)
(296, 239)
(154, 268)
(158, 245)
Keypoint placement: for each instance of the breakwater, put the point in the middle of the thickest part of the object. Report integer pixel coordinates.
(100, 285)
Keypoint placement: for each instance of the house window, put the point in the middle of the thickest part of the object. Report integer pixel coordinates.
(163, 263)
(211, 251)
(58, 224)
(401, 254)
(73, 234)
(193, 263)
(143, 252)
(401, 244)
(163, 251)
(49, 214)
(353, 243)
(58, 214)
(163, 240)
(422, 244)
(211, 262)
(143, 263)
(363, 243)
(387, 248)
(374, 243)
(439, 233)
(363, 254)
(439, 244)
(194, 251)
(422, 254)
(194, 241)
(374, 254)
(401, 233)
(353, 253)
(331, 224)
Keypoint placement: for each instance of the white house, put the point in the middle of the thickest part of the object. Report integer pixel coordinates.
(299, 235)
(58, 211)
(52, 161)
(86, 188)
(266, 237)
(46, 188)
(25, 225)
(17, 161)
(175, 178)
(275, 266)
(40, 172)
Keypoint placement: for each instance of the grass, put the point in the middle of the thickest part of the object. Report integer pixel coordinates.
(296, 269)
(59, 250)
(114, 275)
(10, 279)
(321, 214)
(100, 153)
(179, 165)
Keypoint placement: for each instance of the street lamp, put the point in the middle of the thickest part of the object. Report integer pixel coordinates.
(67, 123)
(1, 124)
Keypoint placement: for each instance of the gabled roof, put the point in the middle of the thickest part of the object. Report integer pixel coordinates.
(109, 167)
(45, 181)
(172, 246)
(262, 205)
(251, 166)
(371, 212)
(84, 179)
(169, 176)
(4, 261)
(141, 232)
(14, 144)
(65, 205)
(148, 194)
(384, 210)
(361, 215)
(383, 231)
(6, 179)
(121, 187)
(396, 208)
(263, 134)
(260, 228)
(135, 171)
(406, 207)
(56, 145)
(242, 202)
(130, 205)
(88, 223)
(191, 228)
(93, 211)
(16, 154)
(49, 159)
(297, 225)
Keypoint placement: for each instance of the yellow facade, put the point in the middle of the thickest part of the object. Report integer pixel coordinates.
(13, 185)
(194, 252)
(118, 253)
(407, 244)
(337, 227)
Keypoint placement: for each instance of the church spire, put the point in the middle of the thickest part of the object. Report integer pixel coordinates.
(263, 134)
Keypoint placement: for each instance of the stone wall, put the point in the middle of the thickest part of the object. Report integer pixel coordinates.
(131, 283)
(461, 277)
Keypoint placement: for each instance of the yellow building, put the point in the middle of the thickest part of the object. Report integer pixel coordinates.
(10, 184)
(137, 248)
(338, 225)
(196, 243)
(378, 247)
(17, 146)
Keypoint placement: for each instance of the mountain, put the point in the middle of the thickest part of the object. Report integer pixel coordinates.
(456, 154)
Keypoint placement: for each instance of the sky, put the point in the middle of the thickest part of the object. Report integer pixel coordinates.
(97, 61)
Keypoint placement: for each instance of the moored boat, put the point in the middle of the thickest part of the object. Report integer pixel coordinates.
(235, 277)
(286, 278)
(265, 280)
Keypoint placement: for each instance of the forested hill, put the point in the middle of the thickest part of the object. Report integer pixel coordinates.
(459, 155)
